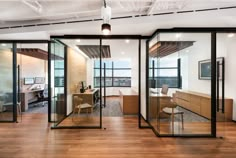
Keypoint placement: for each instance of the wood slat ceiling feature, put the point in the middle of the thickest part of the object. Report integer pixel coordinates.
(37, 53)
(93, 51)
(164, 48)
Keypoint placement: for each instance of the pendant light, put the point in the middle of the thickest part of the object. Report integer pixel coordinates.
(106, 16)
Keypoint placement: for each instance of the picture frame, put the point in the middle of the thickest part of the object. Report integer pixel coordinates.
(204, 68)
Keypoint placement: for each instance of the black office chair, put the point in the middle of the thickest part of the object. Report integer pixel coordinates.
(43, 96)
(98, 98)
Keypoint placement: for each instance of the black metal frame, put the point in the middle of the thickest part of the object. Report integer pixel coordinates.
(112, 77)
(178, 68)
(15, 71)
(213, 32)
(110, 37)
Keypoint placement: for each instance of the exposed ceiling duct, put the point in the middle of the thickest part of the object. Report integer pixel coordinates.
(34, 5)
(30, 12)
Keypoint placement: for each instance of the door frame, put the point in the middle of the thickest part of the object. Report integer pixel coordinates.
(212, 31)
(14, 61)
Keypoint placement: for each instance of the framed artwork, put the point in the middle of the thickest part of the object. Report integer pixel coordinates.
(204, 69)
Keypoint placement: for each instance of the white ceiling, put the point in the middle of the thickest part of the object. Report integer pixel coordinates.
(25, 11)
(120, 49)
(33, 12)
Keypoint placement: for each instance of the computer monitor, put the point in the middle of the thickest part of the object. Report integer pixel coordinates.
(28, 81)
(39, 80)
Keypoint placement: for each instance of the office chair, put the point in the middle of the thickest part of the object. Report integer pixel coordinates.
(43, 97)
(79, 105)
(98, 97)
(171, 109)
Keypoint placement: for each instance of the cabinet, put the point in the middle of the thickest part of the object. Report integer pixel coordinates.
(200, 103)
(129, 101)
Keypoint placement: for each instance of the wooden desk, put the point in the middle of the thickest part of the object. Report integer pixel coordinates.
(88, 97)
(157, 102)
(128, 101)
(28, 97)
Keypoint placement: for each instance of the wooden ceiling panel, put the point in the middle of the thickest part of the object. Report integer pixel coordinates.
(93, 51)
(165, 48)
(37, 53)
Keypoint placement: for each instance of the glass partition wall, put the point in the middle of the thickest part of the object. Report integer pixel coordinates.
(58, 94)
(6, 82)
(76, 101)
(225, 81)
(179, 84)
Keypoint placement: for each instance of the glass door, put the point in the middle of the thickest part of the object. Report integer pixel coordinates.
(7, 82)
(225, 81)
(179, 89)
(76, 99)
(58, 96)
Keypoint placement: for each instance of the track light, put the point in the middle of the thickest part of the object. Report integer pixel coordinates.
(106, 29)
(106, 16)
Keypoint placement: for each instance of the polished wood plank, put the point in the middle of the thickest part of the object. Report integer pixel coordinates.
(122, 138)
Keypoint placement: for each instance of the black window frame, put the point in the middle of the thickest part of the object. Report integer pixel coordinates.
(112, 77)
(155, 78)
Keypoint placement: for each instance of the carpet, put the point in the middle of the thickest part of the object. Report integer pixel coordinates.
(112, 108)
(38, 108)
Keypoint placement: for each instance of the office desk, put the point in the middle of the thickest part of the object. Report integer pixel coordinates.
(157, 102)
(88, 97)
(128, 101)
(27, 97)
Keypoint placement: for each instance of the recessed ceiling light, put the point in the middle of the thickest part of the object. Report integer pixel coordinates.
(78, 40)
(187, 50)
(178, 35)
(127, 41)
(231, 35)
(122, 53)
(3, 44)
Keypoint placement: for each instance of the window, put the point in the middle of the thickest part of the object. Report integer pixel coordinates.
(59, 73)
(164, 75)
(118, 73)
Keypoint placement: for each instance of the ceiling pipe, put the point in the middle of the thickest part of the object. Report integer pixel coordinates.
(34, 5)
(153, 6)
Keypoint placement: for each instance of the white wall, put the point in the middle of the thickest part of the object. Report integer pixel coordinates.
(201, 50)
(143, 79)
(226, 48)
(6, 77)
(31, 67)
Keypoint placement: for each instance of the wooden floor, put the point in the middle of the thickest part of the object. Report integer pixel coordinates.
(189, 127)
(33, 138)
